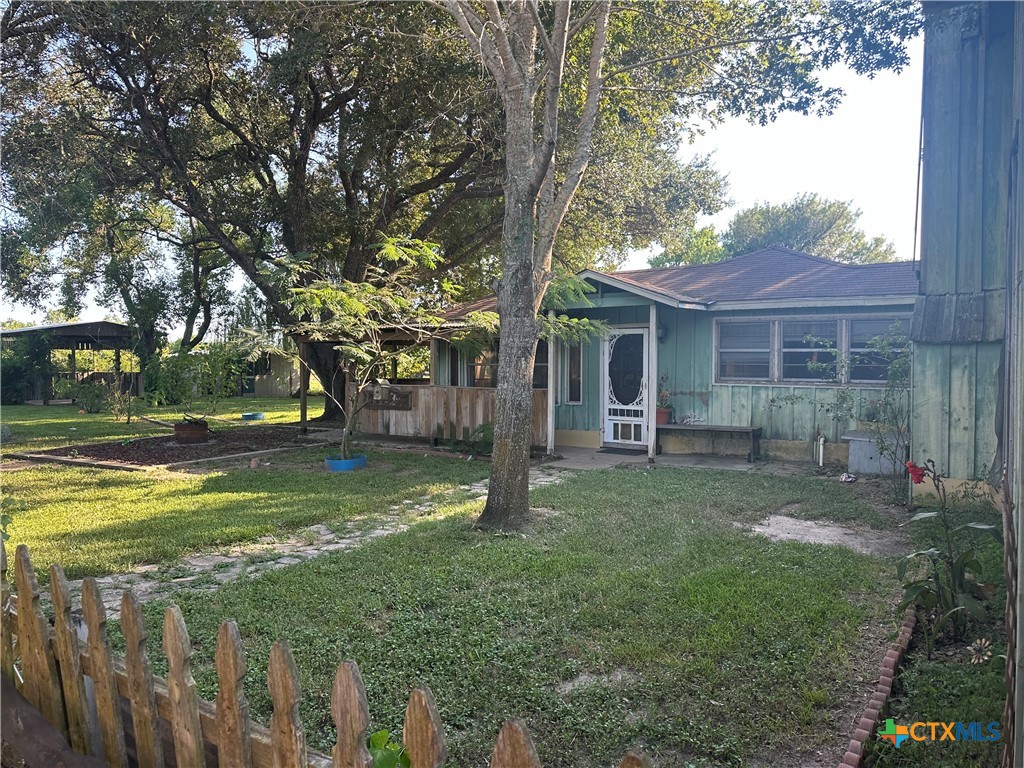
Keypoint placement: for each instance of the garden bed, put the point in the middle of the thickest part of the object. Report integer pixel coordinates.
(159, 451)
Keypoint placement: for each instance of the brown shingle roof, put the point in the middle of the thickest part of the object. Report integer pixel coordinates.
(777, 273)
(770, 274)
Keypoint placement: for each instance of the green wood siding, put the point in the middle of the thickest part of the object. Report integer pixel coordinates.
(959, 321)
(686, 354)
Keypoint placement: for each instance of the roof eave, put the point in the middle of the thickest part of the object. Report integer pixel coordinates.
(831, 301)
(671, 300)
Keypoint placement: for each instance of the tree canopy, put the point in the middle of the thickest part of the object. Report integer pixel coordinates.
(809, 223)
(151, 145)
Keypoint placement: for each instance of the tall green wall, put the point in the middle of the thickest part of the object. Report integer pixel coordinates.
(959, 320)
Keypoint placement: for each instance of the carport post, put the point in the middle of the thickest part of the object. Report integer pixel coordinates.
(303, 387)
(552, 393)
(652, 385)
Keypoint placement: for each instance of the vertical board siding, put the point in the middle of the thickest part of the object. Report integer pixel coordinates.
(447, 413)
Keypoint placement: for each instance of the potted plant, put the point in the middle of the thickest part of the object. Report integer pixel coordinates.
(665, 409)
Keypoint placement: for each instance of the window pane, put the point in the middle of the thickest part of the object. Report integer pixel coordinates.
(869, 368)
(743, 365)
(453, 366)
(540, 366)
(483, 372)
(809, 334)
(863, 331)
(738, 336)
(809, 364)
(574, 375)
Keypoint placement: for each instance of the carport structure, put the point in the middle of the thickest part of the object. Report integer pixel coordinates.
(84, 336)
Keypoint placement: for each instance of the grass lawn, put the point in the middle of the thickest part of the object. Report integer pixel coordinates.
(96, 522)
(703, 645)
(38, 427)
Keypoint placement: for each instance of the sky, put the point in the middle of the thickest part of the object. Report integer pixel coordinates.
(865, 152)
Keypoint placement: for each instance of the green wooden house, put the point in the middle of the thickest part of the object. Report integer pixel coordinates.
(744, 352)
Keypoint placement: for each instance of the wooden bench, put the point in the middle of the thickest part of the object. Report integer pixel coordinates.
(751, 433)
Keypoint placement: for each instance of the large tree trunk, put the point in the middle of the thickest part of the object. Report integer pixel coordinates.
(509, 489)
(323, 361)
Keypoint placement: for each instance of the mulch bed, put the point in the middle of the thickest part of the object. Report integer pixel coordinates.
(156, 451)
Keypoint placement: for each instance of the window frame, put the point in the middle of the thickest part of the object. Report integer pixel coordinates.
(843, 349)
(851, 351)
(719, 322)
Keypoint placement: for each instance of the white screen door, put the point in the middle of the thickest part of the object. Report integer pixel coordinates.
(624, 387)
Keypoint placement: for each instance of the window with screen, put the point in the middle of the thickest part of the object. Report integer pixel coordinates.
(744, 350)
(809, 349)
(574, 374)
(870, 360)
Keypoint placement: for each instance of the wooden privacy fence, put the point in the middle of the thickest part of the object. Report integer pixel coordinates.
(118, 710)
(447, 413)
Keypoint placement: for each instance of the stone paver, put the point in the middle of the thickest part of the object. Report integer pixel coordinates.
(210, 570)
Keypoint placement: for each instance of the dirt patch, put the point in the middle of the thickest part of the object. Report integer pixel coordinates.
(786, 528)
(615, 677)
(157, 451)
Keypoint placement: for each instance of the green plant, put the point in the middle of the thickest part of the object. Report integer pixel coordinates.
(91, 396)
(664, 394)
(198, 380)
(481, 439)
(949, 592)
(386, 751)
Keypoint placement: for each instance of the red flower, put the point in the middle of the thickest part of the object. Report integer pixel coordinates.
(916, 472)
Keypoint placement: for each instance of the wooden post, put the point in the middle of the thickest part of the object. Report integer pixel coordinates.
(69, 661)
(117, 368)
(434, 378)
(42, 685)
(74, 367)
(652, 386)
(552, 386)
(303, 387)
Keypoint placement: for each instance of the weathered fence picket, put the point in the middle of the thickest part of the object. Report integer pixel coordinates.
(149, 751)
(351, 718)
(57, 667)
(188, 733)
(108, 707)
(232, 707)
(286, 732)
(69, 662)
(39, 669)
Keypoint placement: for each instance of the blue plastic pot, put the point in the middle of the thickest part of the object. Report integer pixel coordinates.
(338, 464)
(253, 416)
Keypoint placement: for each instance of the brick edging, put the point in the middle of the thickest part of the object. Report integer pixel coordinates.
(871, 718)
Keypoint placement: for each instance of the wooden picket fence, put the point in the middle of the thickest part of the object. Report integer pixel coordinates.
(118, 710)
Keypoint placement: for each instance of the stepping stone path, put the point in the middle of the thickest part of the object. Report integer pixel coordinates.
(210, 571)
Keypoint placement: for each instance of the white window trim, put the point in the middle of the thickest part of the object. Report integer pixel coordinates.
(775, 352)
